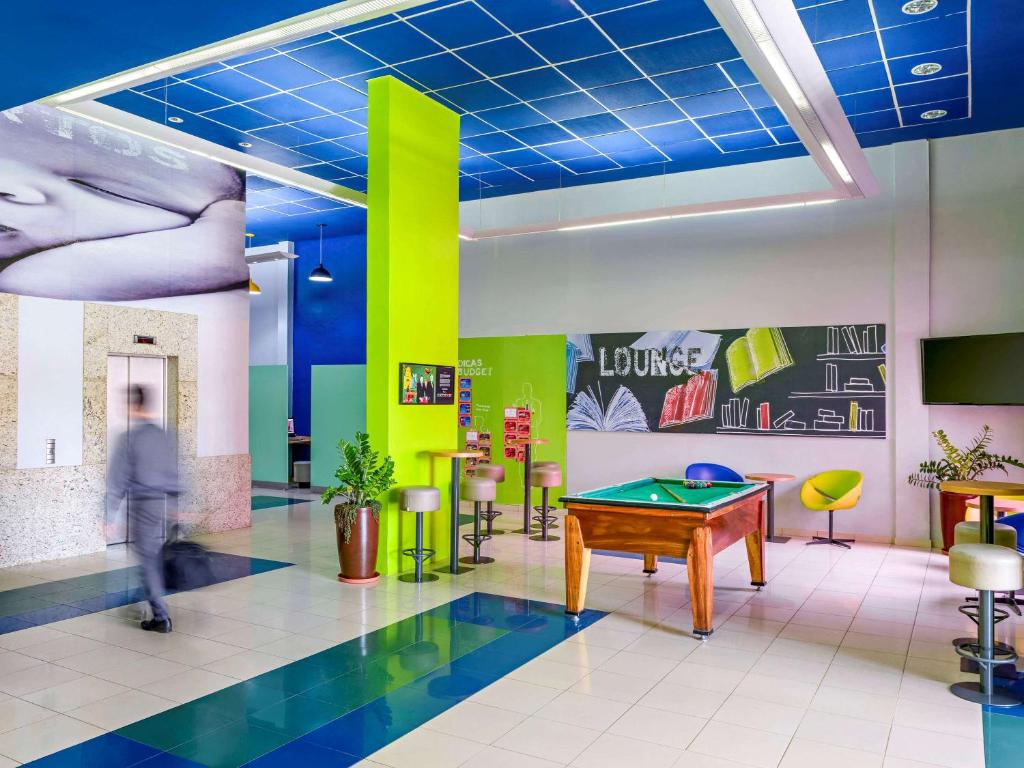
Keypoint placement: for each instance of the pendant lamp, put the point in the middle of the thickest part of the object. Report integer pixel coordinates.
(254, 289)
(320, 273)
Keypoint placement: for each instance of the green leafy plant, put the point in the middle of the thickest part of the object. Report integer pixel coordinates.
(961, 463)
(362, 479)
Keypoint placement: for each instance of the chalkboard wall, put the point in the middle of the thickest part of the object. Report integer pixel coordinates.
(822, 381)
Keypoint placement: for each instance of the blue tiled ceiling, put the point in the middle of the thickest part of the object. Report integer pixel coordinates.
(274, 212)
(563, 92)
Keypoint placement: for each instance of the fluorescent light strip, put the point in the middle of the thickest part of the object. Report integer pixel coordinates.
(695, 214)
(225, 159)
(305, 25)
(751, 17)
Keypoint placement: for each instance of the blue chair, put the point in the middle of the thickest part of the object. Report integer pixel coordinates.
(1017, 522)
(714, 472)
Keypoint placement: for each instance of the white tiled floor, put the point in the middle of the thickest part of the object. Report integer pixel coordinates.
(841, 661)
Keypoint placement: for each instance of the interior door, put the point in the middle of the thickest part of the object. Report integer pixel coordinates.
(123, 371)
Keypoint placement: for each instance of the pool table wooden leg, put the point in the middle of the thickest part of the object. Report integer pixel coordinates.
(698, 568)
(755, 557)
(650, 564)
(577, 566)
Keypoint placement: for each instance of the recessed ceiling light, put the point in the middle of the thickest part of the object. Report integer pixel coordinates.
(917, 7)
(933, 114)
(175, 119)
(247, 144)
(922, 70)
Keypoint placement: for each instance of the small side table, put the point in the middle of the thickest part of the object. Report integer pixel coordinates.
(456, 456)
(527, 443)
(772, 478)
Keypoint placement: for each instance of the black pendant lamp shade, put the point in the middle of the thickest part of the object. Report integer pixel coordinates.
(320, 273)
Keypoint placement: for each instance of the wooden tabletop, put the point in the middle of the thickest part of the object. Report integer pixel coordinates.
(299, 440)
(529, 441)
(769, 477)
(456, 454)
(982, 488)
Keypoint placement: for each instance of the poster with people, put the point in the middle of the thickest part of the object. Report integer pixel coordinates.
(91, 213)
(427, 384)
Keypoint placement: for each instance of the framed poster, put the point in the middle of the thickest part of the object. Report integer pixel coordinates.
(421, 384)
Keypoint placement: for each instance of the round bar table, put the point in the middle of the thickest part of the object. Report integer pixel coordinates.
(456, 456)
(984, 691)
(527, 443)
(771, 478)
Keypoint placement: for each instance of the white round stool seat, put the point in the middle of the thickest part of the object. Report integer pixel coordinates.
(546, 477)
(543, 464)
(494, 472)
(479, 489)
(985, 567)
(420, 498)
(970, 533)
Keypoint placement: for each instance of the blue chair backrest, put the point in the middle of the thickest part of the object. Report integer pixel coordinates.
(713, 472)
(1017, 521)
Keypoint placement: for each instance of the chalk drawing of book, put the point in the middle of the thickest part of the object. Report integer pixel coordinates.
(623, 414)
(757, 354)
(692, 401)
(705, 345)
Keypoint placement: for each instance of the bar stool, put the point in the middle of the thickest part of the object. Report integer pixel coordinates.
(419, 499)
(547, 465)
(547, 478)
(988, 568)
(477, 490)
(969, 532)
(495, 472)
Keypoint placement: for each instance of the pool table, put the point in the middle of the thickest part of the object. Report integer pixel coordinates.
(661, 516)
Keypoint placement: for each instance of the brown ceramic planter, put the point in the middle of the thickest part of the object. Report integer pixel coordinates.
(952, 510)
(358, 558)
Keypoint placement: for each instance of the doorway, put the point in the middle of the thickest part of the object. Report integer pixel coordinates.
(124, 371)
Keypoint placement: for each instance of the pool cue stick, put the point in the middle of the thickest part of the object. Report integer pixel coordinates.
(674, 496)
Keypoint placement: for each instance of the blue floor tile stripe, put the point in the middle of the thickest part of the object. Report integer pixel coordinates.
(40, 604)
(528, 628)
(635, 556)
(269, 502)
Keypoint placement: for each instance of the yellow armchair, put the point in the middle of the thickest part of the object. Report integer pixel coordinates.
(829, 491)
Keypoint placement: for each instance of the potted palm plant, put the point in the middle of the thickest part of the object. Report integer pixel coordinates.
(362, 479)
(967, 463)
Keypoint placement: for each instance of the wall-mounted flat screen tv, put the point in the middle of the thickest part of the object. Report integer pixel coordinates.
(973, 370)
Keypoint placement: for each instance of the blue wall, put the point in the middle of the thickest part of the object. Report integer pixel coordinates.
(329, 324)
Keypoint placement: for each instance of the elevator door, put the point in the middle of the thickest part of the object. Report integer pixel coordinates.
(122, 372)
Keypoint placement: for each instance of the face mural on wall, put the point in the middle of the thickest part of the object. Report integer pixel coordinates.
(90, 213)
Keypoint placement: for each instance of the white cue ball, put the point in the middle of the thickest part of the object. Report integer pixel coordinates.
(654, 497)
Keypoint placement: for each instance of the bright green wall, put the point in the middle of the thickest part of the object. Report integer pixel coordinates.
(519, 371)
(412, 295)
(337, 410)
(268, 422)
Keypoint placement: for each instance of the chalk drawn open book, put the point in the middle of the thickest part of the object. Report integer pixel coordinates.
(623, 414)
(757, 354)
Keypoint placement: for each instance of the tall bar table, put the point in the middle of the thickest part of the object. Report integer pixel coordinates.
(984, 691)
(771, 478)
(456, 455)
(527, 443)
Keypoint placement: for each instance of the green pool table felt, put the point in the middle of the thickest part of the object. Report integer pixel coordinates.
(640, 492)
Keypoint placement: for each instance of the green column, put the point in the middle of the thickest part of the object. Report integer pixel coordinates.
(412, 302)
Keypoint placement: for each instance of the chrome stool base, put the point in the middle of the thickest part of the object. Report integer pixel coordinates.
(1000, 697)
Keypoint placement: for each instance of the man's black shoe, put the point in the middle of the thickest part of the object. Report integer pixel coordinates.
(163, 626)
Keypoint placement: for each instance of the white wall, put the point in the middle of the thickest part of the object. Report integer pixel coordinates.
(270, 314)
(49, 381)
(977, 275)
(852, 262)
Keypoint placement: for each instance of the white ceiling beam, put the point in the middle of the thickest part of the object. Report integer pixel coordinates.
(295, 28)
